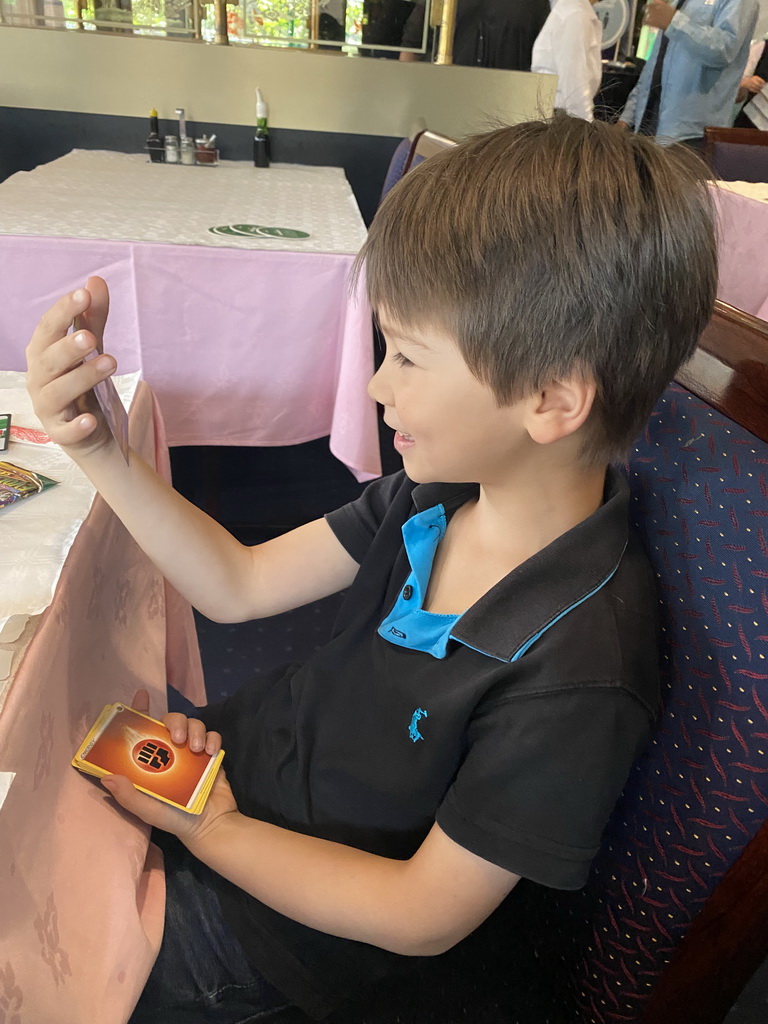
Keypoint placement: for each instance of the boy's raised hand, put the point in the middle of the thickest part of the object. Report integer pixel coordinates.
(59, 382)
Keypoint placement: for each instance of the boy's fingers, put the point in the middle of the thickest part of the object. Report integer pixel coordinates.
(213, 743)
(143, 806)
(56, 321)
(62, 356)
(176, 724)
(141, 701)
(55, 397)
(196, 734)
(193, 731)
(76, 430)
(98, 311)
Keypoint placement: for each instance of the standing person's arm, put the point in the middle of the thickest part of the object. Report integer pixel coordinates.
(413, 31)
(224, 579)
(716, 45)
(571, 55)
(627, 116)
(629, 113)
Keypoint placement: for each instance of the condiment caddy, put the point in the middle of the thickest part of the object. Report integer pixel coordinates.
(181, 149)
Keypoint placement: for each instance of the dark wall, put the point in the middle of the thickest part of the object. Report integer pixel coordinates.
(32, 137)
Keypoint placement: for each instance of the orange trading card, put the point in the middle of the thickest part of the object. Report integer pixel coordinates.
(126, 742)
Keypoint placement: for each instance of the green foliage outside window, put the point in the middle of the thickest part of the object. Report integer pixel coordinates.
(268, 22)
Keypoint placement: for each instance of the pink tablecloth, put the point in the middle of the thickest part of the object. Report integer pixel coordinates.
(743, 242)
(241, 347)
(81, 900)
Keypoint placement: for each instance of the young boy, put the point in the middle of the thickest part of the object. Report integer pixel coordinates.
(493, 673)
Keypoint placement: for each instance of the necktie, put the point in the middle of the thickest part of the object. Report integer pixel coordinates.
(650, 122)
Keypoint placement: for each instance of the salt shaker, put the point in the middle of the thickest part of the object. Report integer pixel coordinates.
(171, 149)
(187, 149)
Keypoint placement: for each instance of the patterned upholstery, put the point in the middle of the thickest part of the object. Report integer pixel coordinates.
(734, 161)
(396, 166)
(700, 498)
(695, 799)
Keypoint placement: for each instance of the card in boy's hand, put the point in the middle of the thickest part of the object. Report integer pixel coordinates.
(126, 742)
(109, 400)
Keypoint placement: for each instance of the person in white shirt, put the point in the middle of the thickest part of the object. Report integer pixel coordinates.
(569, 46)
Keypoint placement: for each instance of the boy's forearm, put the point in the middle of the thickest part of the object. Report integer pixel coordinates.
(333, 888)
(204, 562)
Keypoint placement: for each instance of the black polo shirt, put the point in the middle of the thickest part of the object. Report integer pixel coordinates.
(533, 718)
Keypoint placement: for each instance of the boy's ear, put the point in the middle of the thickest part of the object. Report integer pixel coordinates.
(560, 409)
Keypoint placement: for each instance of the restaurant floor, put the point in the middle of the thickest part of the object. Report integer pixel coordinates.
(258, 493)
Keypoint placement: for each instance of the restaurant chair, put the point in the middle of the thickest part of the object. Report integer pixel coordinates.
(673, 920)
(425, 145)
(737, 154)
(410, 152)
(397, 165)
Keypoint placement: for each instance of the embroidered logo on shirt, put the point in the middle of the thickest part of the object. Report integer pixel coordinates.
(397, 632)
(413, 730)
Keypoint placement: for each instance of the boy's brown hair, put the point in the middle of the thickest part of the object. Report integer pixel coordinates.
(551, 248)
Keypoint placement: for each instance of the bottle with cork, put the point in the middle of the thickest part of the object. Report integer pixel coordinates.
(261, 137)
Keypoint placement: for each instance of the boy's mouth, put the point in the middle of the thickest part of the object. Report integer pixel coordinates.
(403, 441)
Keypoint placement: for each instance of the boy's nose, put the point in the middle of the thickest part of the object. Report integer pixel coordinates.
(378, 388)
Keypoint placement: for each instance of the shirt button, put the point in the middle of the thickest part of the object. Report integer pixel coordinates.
(407, 592)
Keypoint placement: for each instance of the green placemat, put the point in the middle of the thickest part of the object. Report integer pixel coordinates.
(257, 231)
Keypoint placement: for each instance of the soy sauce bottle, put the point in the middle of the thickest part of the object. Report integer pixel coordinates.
(154, 141)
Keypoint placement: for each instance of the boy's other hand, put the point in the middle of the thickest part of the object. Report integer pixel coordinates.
(192, 731)
(188, 827)
(59, 382)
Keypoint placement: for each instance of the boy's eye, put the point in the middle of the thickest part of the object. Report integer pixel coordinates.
(401, 360)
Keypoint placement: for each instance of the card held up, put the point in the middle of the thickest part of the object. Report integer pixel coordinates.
(108, 399)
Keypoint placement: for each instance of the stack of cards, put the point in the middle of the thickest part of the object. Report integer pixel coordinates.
(126, 742)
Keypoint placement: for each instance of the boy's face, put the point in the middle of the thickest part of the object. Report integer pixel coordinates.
(449, 425)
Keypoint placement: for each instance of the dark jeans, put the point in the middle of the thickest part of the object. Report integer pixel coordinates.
(201, 975)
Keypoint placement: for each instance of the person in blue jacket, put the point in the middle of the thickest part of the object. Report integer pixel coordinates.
(693, 74)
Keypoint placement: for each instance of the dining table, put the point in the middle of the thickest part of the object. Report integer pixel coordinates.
(85, 620)
(230, 291)
(742, 208)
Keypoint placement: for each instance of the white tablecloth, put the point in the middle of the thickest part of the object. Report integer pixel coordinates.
(38, 532)
(96, 194)
(751, 189)
(244, 340)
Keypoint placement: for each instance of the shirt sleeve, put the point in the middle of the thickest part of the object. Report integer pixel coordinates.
(571, 58)
(541, 777)
(413, 30)
(628, 113)
(755, 53)
(357, 523)
(717, 45)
